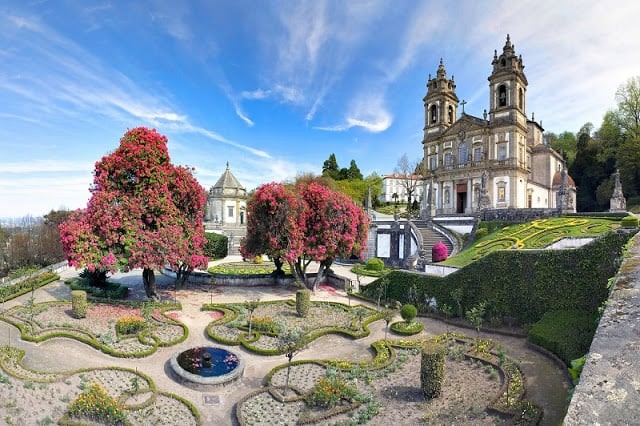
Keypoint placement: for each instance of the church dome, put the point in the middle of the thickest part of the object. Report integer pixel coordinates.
(228, 185)
(557, 180)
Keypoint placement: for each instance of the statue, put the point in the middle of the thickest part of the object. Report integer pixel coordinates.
(617, 203)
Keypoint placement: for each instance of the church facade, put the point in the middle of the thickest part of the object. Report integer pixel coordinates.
(498, 161)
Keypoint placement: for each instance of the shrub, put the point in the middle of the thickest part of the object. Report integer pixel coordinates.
(567, 334)
(481, 232)
(629, 222)
(129, 324)
(263, 324)
(303, 302)
(432, 369)
(217, 245)
(329, 391)
(408, 312)
(374, 264)
(79, 303)
(97, 405)
(439, 252)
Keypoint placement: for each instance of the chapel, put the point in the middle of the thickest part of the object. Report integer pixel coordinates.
(497, 161)
(226, 202)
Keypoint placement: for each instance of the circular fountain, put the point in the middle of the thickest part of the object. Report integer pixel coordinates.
(207, 365)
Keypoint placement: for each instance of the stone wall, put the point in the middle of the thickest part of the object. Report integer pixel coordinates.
(517, 215)
(609, 388)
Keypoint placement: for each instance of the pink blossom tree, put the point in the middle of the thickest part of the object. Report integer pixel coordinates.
(272, 225)
(144, 212)
(311, 223)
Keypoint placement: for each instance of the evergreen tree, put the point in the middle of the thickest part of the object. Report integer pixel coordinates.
(330, 167)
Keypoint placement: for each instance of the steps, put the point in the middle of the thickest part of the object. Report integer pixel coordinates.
(430, 237)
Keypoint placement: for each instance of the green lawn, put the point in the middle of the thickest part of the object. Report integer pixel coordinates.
(537, 234)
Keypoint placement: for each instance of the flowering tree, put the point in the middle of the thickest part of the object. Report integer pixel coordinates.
(272, 225)
(309, 224)
(144, 212)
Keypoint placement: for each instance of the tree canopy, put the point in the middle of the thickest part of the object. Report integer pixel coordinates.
(307, 223)
(144, 212)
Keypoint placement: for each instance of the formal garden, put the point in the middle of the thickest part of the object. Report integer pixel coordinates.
(120, 344)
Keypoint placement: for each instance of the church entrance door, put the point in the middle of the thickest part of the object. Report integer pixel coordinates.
(461, 201)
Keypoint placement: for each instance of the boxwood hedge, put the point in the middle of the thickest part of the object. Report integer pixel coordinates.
(517, 284)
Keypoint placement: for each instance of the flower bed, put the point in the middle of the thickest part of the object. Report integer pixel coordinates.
(49, 395)
(323, 318)
(99, 328)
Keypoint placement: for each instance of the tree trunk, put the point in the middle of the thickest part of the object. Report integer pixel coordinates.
(181, 275)
(320, 276)
(149, 280)
(298, 273)
(278, 272)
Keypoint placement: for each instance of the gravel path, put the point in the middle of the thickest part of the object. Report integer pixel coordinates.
(547, 385)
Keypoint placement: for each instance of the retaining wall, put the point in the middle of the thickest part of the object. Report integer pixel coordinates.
(609, 388)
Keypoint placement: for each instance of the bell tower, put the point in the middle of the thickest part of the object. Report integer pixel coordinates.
(440, 104)
(508, 87)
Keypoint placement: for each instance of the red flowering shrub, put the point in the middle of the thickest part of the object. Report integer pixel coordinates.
(439, 252)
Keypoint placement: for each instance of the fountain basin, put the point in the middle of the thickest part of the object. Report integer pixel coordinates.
(207, 365)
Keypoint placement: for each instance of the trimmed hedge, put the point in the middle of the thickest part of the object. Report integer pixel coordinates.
(374, 264)
(303, 302)
(517, 284)
(568, 334)
(18, 289)
(110, 291)
(217, 245)
(432, 369)
(79, 303)
(629, 222)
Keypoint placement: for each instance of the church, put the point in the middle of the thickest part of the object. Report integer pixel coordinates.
(497, 161)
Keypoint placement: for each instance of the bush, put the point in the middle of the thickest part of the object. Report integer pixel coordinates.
(374, 264)
(129, 324)
(567, 334)
(303, 302)
(432, 369)
(97, 405)
(439, 252)
(79, 303)
(481, 232)
(264, 324)
(408, 312)
(217, 245)
(330, 391)
(629, 222)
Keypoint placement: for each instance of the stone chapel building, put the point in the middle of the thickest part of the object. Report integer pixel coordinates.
(226, 201)
(498, 161)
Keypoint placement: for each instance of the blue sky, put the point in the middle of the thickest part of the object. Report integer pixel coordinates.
(274, 87)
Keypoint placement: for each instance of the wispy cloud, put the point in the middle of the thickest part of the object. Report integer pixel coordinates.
(368, 113)
(76, 82)
(48, 166)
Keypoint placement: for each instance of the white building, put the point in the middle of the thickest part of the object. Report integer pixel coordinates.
(398, 184)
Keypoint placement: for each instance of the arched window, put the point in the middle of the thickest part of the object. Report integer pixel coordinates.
(448, 159)
(462, 153)
(521, 98)
(434, 114)
(450, 114)
(502, 95)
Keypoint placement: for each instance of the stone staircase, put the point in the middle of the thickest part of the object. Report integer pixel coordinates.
(430, 237)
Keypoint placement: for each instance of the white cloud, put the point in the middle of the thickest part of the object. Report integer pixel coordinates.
(48, 166)
(367, 112)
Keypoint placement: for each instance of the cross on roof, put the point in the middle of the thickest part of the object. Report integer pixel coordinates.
(463, 103)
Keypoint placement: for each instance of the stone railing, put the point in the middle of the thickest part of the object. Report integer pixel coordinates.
(609, 388)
